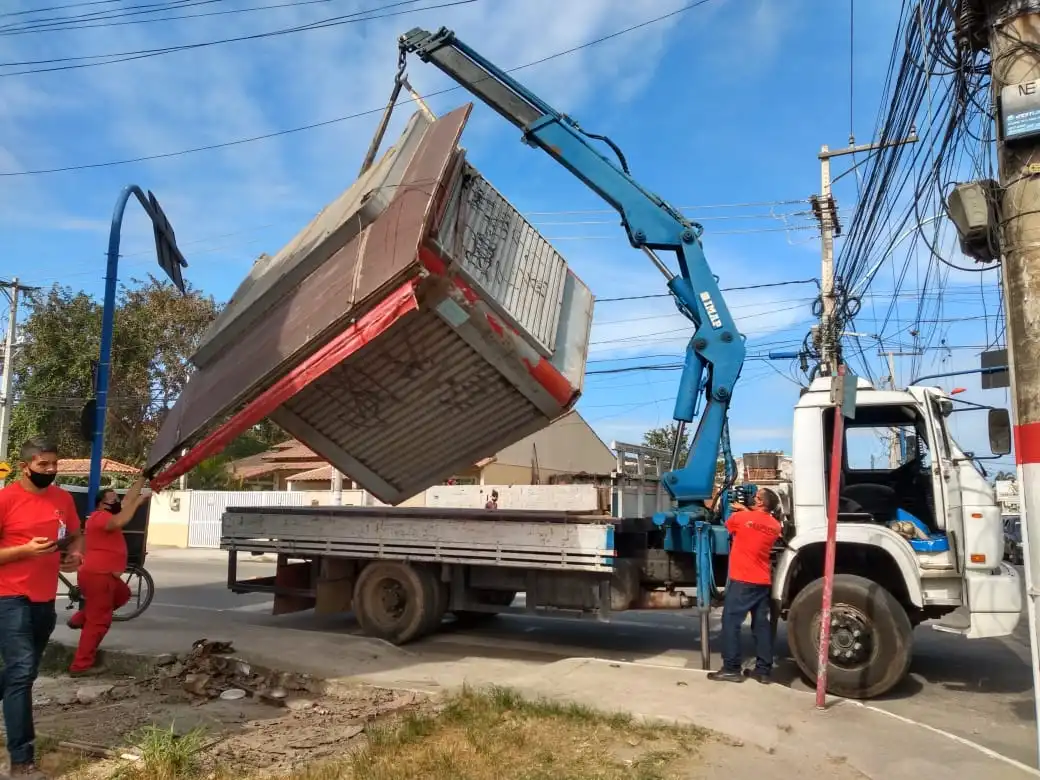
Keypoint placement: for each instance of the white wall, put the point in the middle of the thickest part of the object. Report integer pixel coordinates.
(174, 512)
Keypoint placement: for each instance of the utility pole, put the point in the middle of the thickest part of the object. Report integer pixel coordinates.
(12, 290)
(826, 211)
(894, 442)
(897, 444)
(1011, 31)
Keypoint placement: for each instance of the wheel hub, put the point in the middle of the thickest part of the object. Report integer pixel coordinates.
(851, 641)
(392, 598)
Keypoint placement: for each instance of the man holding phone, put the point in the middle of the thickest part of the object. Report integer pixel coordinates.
(37, 520)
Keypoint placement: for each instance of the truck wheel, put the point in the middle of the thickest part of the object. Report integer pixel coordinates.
(871, 637)
(392, 601)
(437, 592)
(497, 598)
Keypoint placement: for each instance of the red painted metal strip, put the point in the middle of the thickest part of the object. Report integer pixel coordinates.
(553, 381)
(1027, 443)
(543, 371)
(823, 658)
(377, 321)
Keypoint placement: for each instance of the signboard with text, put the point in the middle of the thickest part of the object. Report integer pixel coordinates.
(1020, 110)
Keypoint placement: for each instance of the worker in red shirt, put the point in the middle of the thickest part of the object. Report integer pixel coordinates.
(37, 520)
(754, 532)
(100, 575)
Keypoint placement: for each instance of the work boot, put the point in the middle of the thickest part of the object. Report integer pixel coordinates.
(30, 771)
(760, 677)
(93, 671)
(726, 675)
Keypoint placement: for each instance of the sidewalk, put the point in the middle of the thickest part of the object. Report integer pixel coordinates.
(782, 722)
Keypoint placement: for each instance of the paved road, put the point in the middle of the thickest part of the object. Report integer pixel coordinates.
(981, 690)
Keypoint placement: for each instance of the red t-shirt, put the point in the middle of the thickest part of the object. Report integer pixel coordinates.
(50, 513)
(754, 533)
(105, 550)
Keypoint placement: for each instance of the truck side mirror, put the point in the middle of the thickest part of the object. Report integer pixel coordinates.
(999, 431)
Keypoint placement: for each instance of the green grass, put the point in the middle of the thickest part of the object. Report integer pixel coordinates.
(496, 734)
(165, 755)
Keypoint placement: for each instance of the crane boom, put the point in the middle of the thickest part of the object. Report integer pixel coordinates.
(715, 354)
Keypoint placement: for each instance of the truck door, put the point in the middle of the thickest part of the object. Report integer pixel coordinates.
(945, 476)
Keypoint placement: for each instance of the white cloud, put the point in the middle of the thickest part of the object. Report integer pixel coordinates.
(211, 95)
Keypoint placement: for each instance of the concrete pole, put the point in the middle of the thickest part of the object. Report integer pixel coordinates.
(828, 347)
(6, 399)
(1014, 42)
(894, 450)
(337, 487)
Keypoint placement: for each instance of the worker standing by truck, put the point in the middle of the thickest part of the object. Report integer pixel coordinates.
(37, 520)
(754, 532)
(100, 576)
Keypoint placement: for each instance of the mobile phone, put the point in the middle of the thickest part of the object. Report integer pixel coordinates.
(63, 544)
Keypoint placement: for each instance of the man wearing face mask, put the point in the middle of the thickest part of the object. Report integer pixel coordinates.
(37, 520)
(100, 576)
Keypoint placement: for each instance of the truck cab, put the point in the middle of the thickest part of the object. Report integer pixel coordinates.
(919, 536)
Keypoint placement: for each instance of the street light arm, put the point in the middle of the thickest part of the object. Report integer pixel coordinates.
(151, 208)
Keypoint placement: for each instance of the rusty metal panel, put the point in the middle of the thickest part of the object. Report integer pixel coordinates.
(376, 260)
(339, 223)
(504, 257)
(416, 404)
(484, 353)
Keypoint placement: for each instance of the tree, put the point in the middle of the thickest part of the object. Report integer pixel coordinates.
(1004, 476)
(156, 330)
(664, 439)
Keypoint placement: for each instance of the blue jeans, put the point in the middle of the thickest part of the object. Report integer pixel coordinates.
(741, 598)
(25, 629)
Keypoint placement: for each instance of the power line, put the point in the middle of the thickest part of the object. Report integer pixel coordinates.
(359, 114)
(25, 11)
(721, 289)
(57, 24)
(46, 24)
(110, 59)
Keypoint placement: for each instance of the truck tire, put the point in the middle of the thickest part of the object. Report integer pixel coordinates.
(871, 637)
(392, 601)
(438, 598)
(498, 598)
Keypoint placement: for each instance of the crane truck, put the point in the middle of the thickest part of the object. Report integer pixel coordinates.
(401, 570)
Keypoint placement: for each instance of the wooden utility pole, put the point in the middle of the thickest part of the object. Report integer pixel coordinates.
(1012, 29)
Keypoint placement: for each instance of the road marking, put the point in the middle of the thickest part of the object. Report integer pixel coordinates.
(262, 607)
(962, 740)
(838, 700)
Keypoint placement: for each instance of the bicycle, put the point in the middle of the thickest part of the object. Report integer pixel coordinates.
(145, 592)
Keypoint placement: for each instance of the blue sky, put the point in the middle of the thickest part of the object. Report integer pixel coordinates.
(724, 104)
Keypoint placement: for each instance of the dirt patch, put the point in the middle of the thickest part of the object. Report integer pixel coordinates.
(207, 714)
(482, 735)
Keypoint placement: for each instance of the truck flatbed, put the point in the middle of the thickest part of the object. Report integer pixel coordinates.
(524, 539)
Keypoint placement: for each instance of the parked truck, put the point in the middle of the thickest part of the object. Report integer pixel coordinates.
(401, 570)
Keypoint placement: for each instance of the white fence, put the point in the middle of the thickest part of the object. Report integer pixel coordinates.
(202, 510)
(206, 507)
(636, 492)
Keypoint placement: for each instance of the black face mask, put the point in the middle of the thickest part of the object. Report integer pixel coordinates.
(41, 480)
(115, 507)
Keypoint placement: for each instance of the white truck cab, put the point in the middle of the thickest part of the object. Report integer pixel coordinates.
(919, 535)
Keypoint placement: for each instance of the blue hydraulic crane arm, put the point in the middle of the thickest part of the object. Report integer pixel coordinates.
(715, 354)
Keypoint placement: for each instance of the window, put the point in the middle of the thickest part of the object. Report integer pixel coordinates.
(885, 446)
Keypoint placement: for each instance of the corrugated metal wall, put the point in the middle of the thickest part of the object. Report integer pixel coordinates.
(208, 506)
(506, 257)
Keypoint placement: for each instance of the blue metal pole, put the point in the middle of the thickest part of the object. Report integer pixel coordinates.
(105, 357)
